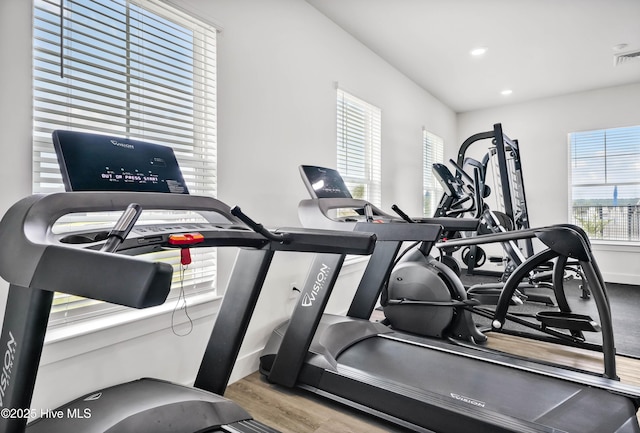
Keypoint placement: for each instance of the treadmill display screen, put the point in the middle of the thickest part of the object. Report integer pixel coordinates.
(324, 182)
(91, 162)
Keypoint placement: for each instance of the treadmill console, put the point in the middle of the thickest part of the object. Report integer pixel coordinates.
(99, 163)
(324, 182)
(92, 162)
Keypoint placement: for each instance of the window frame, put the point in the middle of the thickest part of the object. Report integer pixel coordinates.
(359, 123)
(161, 32)
(432, 152)
(603, 213)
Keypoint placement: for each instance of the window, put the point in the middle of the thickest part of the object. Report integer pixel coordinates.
(359, 143)
(138, 69)
(605, 183)
(432, 152)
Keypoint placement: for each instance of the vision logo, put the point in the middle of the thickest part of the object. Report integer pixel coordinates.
(7, 366)
(468, 400)
(321, 277)
(93, 397)
(125, 145)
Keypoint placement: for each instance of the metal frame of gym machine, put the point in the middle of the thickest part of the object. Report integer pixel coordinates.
(511, 183)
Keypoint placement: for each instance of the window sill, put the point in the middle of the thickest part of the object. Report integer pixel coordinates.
(67, 341)
(617, 246)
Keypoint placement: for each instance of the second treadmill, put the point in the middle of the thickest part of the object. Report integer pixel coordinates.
(428, 384)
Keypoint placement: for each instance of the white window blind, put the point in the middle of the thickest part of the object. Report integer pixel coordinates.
(359, 146)
(137, 69)
(432, 152)
(605, 182)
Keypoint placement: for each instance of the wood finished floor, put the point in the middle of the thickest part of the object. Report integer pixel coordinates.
(297, 411)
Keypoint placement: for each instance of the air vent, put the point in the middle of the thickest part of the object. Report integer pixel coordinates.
(628, 57)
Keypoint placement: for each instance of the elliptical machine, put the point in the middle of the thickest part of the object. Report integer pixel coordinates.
(420, 295)
(425, 297)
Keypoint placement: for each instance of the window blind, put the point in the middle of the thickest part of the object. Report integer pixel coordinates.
(432, 152)
(605, 182)
(359, 146)
(136, 69)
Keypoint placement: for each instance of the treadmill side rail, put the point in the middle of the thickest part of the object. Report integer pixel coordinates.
(141, 406)
(23, 332)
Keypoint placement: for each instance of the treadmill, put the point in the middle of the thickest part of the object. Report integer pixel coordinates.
(429, 384)
(37, 261)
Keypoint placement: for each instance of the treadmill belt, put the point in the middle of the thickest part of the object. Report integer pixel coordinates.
(486, 387)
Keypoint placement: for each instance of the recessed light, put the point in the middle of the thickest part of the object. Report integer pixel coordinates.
(506, 92)
(478, 51)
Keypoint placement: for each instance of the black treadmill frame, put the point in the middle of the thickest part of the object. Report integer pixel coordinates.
(31, 252)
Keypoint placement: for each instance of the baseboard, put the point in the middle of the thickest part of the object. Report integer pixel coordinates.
(619, 278)
(245, 365)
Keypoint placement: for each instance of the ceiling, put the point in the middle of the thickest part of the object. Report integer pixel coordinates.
(536, 48)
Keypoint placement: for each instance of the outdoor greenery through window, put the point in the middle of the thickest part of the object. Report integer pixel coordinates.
(605, 182)
(359, 143)
(136, 69)
(432, 152)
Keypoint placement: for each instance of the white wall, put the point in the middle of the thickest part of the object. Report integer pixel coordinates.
(278, 63)
(541, 128)
(15, 106)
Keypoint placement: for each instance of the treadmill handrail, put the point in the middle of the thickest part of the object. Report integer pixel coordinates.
(34, 248)
(31, 257)
(327, 204)
(315, 213)
(27, 228)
